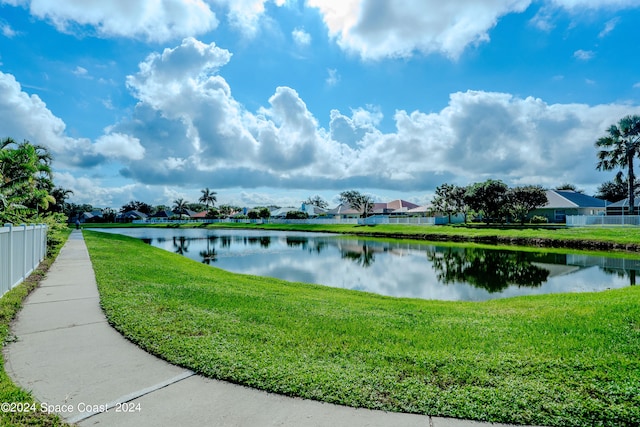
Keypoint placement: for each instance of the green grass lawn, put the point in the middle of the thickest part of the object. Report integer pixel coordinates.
(558, 360)
(10, 304)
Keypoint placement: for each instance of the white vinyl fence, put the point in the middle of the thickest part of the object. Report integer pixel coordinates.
(22, 247)
(602, 220)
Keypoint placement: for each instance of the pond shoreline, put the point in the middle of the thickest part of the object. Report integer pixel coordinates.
(539, 242)
(494, 239)
(609, 239)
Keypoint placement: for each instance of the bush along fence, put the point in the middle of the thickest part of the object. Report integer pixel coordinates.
(22, 248)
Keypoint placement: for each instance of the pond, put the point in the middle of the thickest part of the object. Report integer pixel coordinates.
(401, 269)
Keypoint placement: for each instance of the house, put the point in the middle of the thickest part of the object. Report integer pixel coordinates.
(130, 216)
(561, 203)
(282, 212)
(423, 210)
(622, 207)
(164, 214)
(343, 211)
(312, 210)
(199, 215)
(427, 211)
(93, 216)
(184, 213)
(395, 207)
(400, 207)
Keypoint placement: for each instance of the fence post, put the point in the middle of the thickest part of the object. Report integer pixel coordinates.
(10, 282)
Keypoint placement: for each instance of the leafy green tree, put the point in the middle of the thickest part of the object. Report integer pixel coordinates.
(616, 189)
(228, 210)
(213, 213)
(196, 207)
(253, 214)
(489, 198)
(108, 215)
(136, 205)
(449, 200)
(317, 201)
(524, 199)
(208, 197)
(297, 215)
(569, 186)
(72, 210)
(618, 149)
(264, 213)
(358, 201)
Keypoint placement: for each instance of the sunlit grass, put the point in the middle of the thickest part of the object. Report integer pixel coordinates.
(563, 359)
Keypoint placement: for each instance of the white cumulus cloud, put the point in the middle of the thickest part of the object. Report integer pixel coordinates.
(376, 29)
(583, 55)
(24, 116)
(147, 19)
(119, 146)
(194, 131)
(301, 37)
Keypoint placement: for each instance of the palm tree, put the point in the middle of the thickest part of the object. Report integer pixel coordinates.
(25, 178)
(179, 206)
(61, 195)
(619, 148)
(208, 197)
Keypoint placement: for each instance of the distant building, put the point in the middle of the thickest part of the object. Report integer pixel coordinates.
(312, 210)
(164, 214)
(282, 212)
(622, 207)
(130, 216)
(568, 202)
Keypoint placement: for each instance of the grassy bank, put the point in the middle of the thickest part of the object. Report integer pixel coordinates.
(569, 359)
(10, 304)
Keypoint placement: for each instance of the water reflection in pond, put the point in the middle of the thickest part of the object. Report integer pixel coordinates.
(405, 269)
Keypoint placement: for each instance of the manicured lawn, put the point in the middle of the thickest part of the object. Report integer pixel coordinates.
(560, 360)
(10, 304)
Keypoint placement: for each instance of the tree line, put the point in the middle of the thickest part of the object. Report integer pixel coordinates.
(491, 201)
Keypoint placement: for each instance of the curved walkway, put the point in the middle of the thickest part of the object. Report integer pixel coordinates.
(73, 362)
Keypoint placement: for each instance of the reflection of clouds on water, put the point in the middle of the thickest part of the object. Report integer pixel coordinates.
(402, 269)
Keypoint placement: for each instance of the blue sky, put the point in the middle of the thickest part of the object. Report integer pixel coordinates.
(274, 101)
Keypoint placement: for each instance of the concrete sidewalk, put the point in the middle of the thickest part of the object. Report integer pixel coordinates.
(73, 362)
